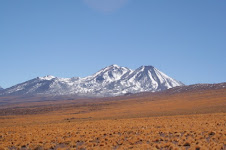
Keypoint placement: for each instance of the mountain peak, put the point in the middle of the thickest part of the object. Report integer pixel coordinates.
(48, 77)
(110, 74)
(114, 65)
(147, 67)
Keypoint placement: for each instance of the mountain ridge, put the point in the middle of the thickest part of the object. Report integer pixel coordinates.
(109, 81)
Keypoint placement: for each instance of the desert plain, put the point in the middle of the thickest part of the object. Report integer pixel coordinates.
(187, 120)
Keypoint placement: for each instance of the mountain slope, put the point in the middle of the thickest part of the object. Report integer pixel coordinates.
(1, 88)
(110, 81)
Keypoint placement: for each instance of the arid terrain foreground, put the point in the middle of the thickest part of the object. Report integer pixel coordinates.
(186, 119)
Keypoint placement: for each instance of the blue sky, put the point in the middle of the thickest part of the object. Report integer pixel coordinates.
(184, 39)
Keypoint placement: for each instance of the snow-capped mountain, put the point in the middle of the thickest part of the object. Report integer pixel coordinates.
(1, 88)
(147, 78)
(110, 81)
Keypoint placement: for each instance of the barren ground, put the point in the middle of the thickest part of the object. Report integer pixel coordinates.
(189, 120)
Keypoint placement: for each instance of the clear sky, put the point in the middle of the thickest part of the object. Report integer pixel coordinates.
(186, 39)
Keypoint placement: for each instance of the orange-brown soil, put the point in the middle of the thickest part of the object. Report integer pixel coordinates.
(189, 120)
